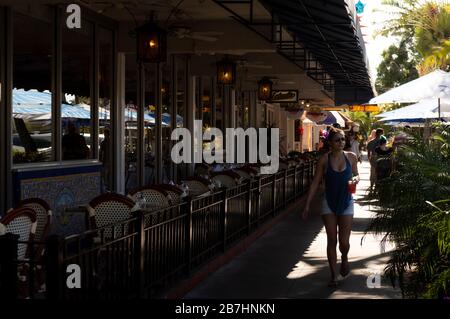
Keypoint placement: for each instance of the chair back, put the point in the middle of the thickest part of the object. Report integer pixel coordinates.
(107, 209)
(43, 216)
(228, 179)
(197, 185)
(173, 192)
(22, 222)
(152, 194)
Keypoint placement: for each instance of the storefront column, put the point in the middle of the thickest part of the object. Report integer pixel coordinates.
(119, 125)
(6, 44)
(140, 126)
(158, 151)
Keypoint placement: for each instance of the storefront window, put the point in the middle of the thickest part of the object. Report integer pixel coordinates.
(77, 68)
(105, 78)
(32, 90)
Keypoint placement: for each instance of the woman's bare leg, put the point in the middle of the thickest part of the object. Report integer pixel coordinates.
(330, 221)
(345, 228)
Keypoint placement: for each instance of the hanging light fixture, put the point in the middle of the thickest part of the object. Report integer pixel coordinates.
(226, 71)
(151, 43)
(264, 89)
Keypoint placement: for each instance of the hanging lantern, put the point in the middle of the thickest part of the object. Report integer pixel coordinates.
(226, 72)
(264, 89)
(151, 43)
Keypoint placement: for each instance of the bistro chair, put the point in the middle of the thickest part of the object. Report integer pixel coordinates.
(21, 221)
(227, 179)
(202, 169)
(197, 185)
(153, 195)
(173, 193)
(43, 218)
(108, 209)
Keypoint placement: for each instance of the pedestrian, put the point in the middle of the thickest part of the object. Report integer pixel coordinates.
(74, 145)
(354, 145)
(383, 159)
(372, 156)
(341, 176)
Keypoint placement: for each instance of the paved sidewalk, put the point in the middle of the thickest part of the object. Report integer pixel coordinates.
(289, 261)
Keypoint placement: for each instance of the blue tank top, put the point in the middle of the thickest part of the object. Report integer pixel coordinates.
(336, 187)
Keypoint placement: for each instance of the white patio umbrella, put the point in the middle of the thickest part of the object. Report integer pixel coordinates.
(433, 85)
(418, 112)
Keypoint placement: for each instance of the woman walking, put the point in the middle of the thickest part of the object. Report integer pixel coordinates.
(341, 176)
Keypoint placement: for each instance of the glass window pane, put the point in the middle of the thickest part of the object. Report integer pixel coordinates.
(77, 66)
(104, 112)
(32, 92)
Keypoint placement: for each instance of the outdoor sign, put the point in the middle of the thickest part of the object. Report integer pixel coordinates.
(364, 108)
(282, 96)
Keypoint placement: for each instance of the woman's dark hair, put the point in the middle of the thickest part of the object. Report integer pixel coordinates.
(333, 131)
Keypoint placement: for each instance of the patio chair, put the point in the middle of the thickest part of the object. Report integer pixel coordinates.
(44, 220)
(197, 185)
(202, 169)
(153, 195)
(108, 209)
(173, 192)
(43, 217)
(21, 221)
(228, 179)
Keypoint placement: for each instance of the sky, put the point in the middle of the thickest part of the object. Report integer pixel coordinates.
(373, 18)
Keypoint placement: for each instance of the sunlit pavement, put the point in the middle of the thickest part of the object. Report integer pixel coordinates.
(289, 261)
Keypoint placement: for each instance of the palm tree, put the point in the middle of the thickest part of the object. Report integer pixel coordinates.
(427, 24)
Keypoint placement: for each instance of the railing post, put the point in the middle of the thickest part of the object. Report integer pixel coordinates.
(285, 187)
(274, 194)
(188, 234)
(139, 253)
(295, 182)
(249, 207)
(224, 212)
(8, 266)
(302, 179)
(258, 202)
(54, 267)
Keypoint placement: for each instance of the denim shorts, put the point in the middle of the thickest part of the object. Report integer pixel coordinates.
(327, 210)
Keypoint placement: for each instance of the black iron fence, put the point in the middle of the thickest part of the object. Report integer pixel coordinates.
(149, 253)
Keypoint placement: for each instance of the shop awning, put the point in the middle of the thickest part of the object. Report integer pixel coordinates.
(330, 31)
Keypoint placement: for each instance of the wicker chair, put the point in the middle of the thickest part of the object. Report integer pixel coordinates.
(197, 185)
(173, 192)
(202, 169)
(152, 194)
(228, 179)
(107, 209)
(44, 219)
(22, 222)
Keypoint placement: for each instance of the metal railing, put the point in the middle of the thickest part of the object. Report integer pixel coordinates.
(150, 252)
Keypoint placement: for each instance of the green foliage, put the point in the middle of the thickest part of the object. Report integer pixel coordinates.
(424, 24)
(397, 67)
(414, 205)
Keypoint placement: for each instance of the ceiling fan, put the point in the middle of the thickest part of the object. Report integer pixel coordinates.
(184, 32)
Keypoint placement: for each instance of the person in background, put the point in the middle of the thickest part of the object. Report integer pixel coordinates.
(74, 145)
(354, 145)
(383, 159)
(340, 170)
(370, 152)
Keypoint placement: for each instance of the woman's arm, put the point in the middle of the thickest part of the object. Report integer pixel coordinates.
(315, 184)
(354, 162)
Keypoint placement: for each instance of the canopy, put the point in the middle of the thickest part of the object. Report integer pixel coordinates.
(418, 112)
(433, 85)
(334, 117)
